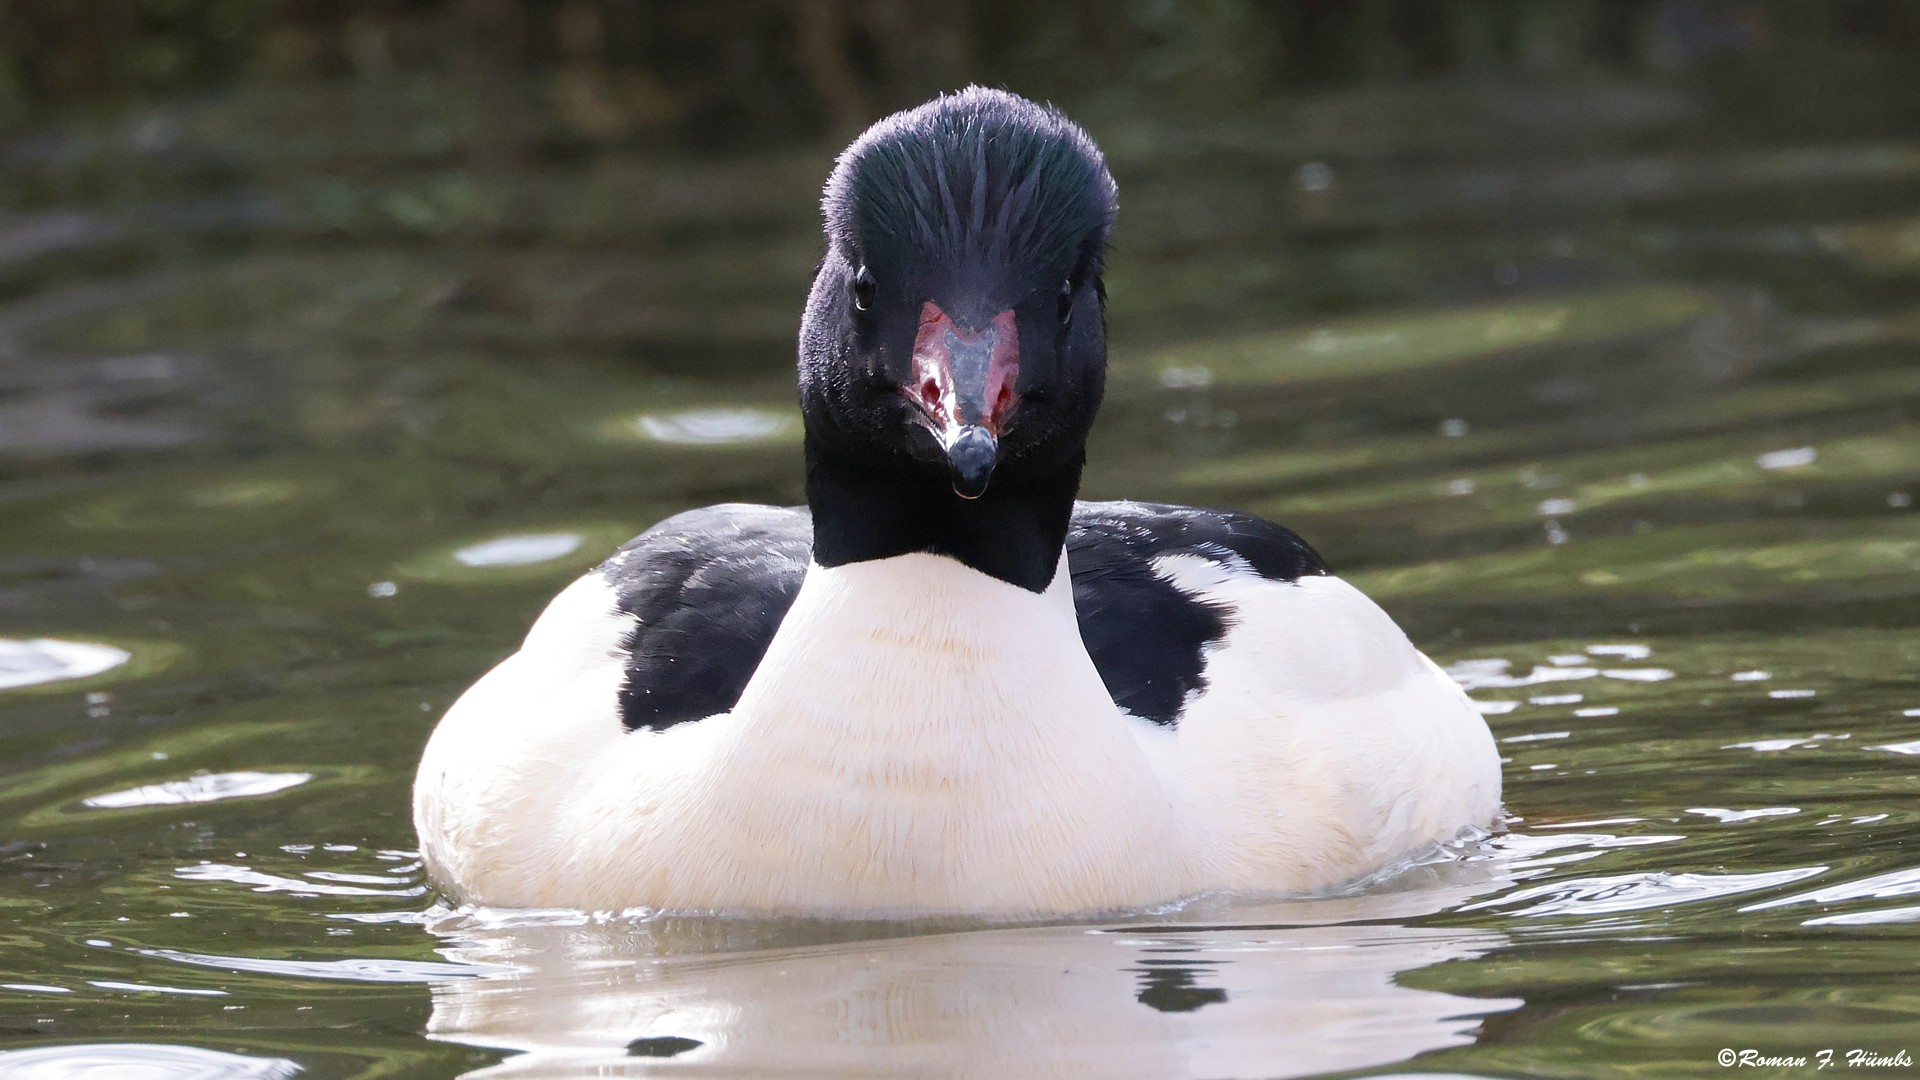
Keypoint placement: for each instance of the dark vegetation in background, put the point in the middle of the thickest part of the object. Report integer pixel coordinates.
(701, 73)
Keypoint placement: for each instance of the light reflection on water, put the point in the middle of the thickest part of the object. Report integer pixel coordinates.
(1125, 1002)
(1637, 892)
(519, 550)
(136, 1061)
(714, 426)
(45, 660)
(198, 789)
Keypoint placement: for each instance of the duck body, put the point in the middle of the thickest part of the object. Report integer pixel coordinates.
(913, 737)
(946, 687)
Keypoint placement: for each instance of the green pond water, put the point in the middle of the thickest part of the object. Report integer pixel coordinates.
(1609, 393)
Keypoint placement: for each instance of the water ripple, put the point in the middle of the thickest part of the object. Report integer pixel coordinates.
(1868, 918)
(151, 988)
(146, 1061)
(1768, 746)
(355, 969)
(1615, 893)
(198, 789)
(45, 660)
(1492, 674)
(1726, 816)
(266, 883)
(713, 427)
(1638, 674)
(522, 549)
(1877, 887)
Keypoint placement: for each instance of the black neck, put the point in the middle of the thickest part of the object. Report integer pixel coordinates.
(864, 510)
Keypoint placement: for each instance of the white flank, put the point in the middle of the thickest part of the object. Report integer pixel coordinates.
(1325, 746)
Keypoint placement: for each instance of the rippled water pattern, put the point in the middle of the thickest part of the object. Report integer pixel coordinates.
(1607, 391)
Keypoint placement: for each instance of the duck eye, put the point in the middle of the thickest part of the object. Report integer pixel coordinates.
(1066, 302)
(863, 288)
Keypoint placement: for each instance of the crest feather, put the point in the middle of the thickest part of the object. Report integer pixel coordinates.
(970, 180)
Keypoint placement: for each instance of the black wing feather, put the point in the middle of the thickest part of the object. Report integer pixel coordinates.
(1147, 637)
(708, 588)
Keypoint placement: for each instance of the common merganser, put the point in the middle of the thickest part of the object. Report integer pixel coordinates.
(945, 687)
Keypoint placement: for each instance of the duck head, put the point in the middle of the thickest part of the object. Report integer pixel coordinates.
(953, 352)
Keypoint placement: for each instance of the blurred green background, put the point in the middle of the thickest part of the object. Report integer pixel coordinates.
(746, 72)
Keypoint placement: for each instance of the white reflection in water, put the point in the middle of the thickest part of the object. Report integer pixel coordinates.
(711, 427)
(152, 988)
(139, 1061)
(353, 969)
(1723, 815)
(1769, 746)
(198, 789)
(1625, 651)
(261, 881)
(518, 550)
(1615, 893)
(1652, 674)
(1555, 699)
(1531, 855)
(1492, 674)
(1787, 459)
(1166, 1000)
(1877, 887)
(44, 660)
(1868, 918)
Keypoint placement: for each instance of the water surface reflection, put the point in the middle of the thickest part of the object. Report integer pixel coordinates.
(1281, 990)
